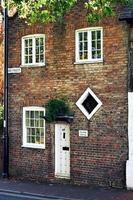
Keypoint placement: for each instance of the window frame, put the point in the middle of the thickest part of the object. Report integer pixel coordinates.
(81, 100)
(90, 59)
(24, 142)
(33, 37)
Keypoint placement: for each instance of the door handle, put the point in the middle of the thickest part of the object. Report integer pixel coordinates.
(65, 148)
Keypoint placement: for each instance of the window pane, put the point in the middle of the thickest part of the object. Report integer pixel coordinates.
(80, 46)
(27, 122)
(30, 51)
(26, 51)
(30, 42)
(28, 139)
(93, 35)
(36, 123)
(93, 45)
(98, 54)
(37, 59)
(37, 50)
(36, 114)
(41, 58)
(32, 123)
(37, 41)
(98, 44)
(42, 131)
(94, 54)
(81, 55)
(30, 59)
(28, 131)
(98, 34)
(85, 55)
(41, 123)
(32, 114)
(85, 46)
(85, 36)
(41, 41)
(26, 43)
(26, 59)
(80, 36)
(27, 114)
(41, 114)
(42, 140)
(33, 139)
(33, 131)
(41, 49)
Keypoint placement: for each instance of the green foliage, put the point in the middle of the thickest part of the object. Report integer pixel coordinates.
(98, 9)
(43, 10)
(53, 10)
(1, 117)
(56, 107)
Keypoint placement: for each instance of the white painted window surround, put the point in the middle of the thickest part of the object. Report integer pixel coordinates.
(33, 127)
(89, 45)
(93, 108)
(33, 50)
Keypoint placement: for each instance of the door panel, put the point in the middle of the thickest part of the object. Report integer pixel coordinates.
(62, 150)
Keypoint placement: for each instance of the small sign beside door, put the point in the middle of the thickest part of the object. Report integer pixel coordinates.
(83, 133)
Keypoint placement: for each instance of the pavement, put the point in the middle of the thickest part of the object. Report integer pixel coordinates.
(64, 192)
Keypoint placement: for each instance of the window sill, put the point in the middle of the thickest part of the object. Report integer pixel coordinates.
(34, 65)
(33, 146)
(88, 62)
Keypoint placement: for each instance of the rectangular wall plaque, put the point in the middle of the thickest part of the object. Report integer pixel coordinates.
(14, 70)
(83, 133)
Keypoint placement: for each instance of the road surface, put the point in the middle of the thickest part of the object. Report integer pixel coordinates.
(18, 196)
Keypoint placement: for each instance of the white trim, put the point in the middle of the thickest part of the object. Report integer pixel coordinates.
(129, 163)
(89, 60)
(81, 100)
(33, 37)
(33, 65)
(14, 70)
(31, 145)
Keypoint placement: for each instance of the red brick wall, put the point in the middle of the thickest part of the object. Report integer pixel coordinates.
(100, 158)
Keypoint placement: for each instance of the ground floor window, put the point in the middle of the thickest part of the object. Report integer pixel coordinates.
(34, 127)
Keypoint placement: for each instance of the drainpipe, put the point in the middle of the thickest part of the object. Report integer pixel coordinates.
(5, 172)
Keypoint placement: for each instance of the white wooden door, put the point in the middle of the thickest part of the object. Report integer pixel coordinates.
(62, 150)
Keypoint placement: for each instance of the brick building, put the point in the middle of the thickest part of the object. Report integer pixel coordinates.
(88, 65)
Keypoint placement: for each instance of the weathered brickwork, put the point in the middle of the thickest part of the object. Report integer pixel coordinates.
(100, 158)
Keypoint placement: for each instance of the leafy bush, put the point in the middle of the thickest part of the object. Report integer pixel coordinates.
(56, 107)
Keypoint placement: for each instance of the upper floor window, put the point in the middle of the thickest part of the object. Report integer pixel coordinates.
(33, 127)
(33, 50)
(89, 47)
